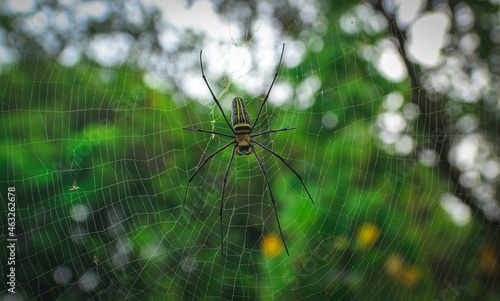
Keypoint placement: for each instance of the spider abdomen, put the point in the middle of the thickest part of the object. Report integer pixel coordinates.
(240, 117)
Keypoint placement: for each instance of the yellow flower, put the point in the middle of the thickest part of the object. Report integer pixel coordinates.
(398, 270)
(488, 258)
(394, 266)
(271, 244)
(411, 276)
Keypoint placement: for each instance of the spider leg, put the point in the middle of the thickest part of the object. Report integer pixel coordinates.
(283, 160)
(215, 98)
(211, 132)
(222, 199)
(271, 131)
(269, 91)
(202, 164)
(272, 198)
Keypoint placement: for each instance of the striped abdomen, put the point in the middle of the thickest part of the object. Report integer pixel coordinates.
(239, 117)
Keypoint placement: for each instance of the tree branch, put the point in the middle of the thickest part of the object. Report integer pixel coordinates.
(434, 123)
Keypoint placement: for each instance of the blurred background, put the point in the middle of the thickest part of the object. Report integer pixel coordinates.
(396, 105)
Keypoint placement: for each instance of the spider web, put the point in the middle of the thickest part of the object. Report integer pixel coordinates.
(100, 164)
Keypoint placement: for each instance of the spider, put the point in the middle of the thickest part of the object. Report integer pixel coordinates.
(243, 145)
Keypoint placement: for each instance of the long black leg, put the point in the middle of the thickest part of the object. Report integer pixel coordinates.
(271, 131)
(283, 160)
(211, 132)
(272, 198)
(202, 164)
(215, 98)
(222, 200)
(269, 91)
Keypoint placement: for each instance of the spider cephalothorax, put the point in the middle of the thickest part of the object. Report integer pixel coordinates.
(243, 144)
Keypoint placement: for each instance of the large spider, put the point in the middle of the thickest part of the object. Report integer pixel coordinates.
(243, 145)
